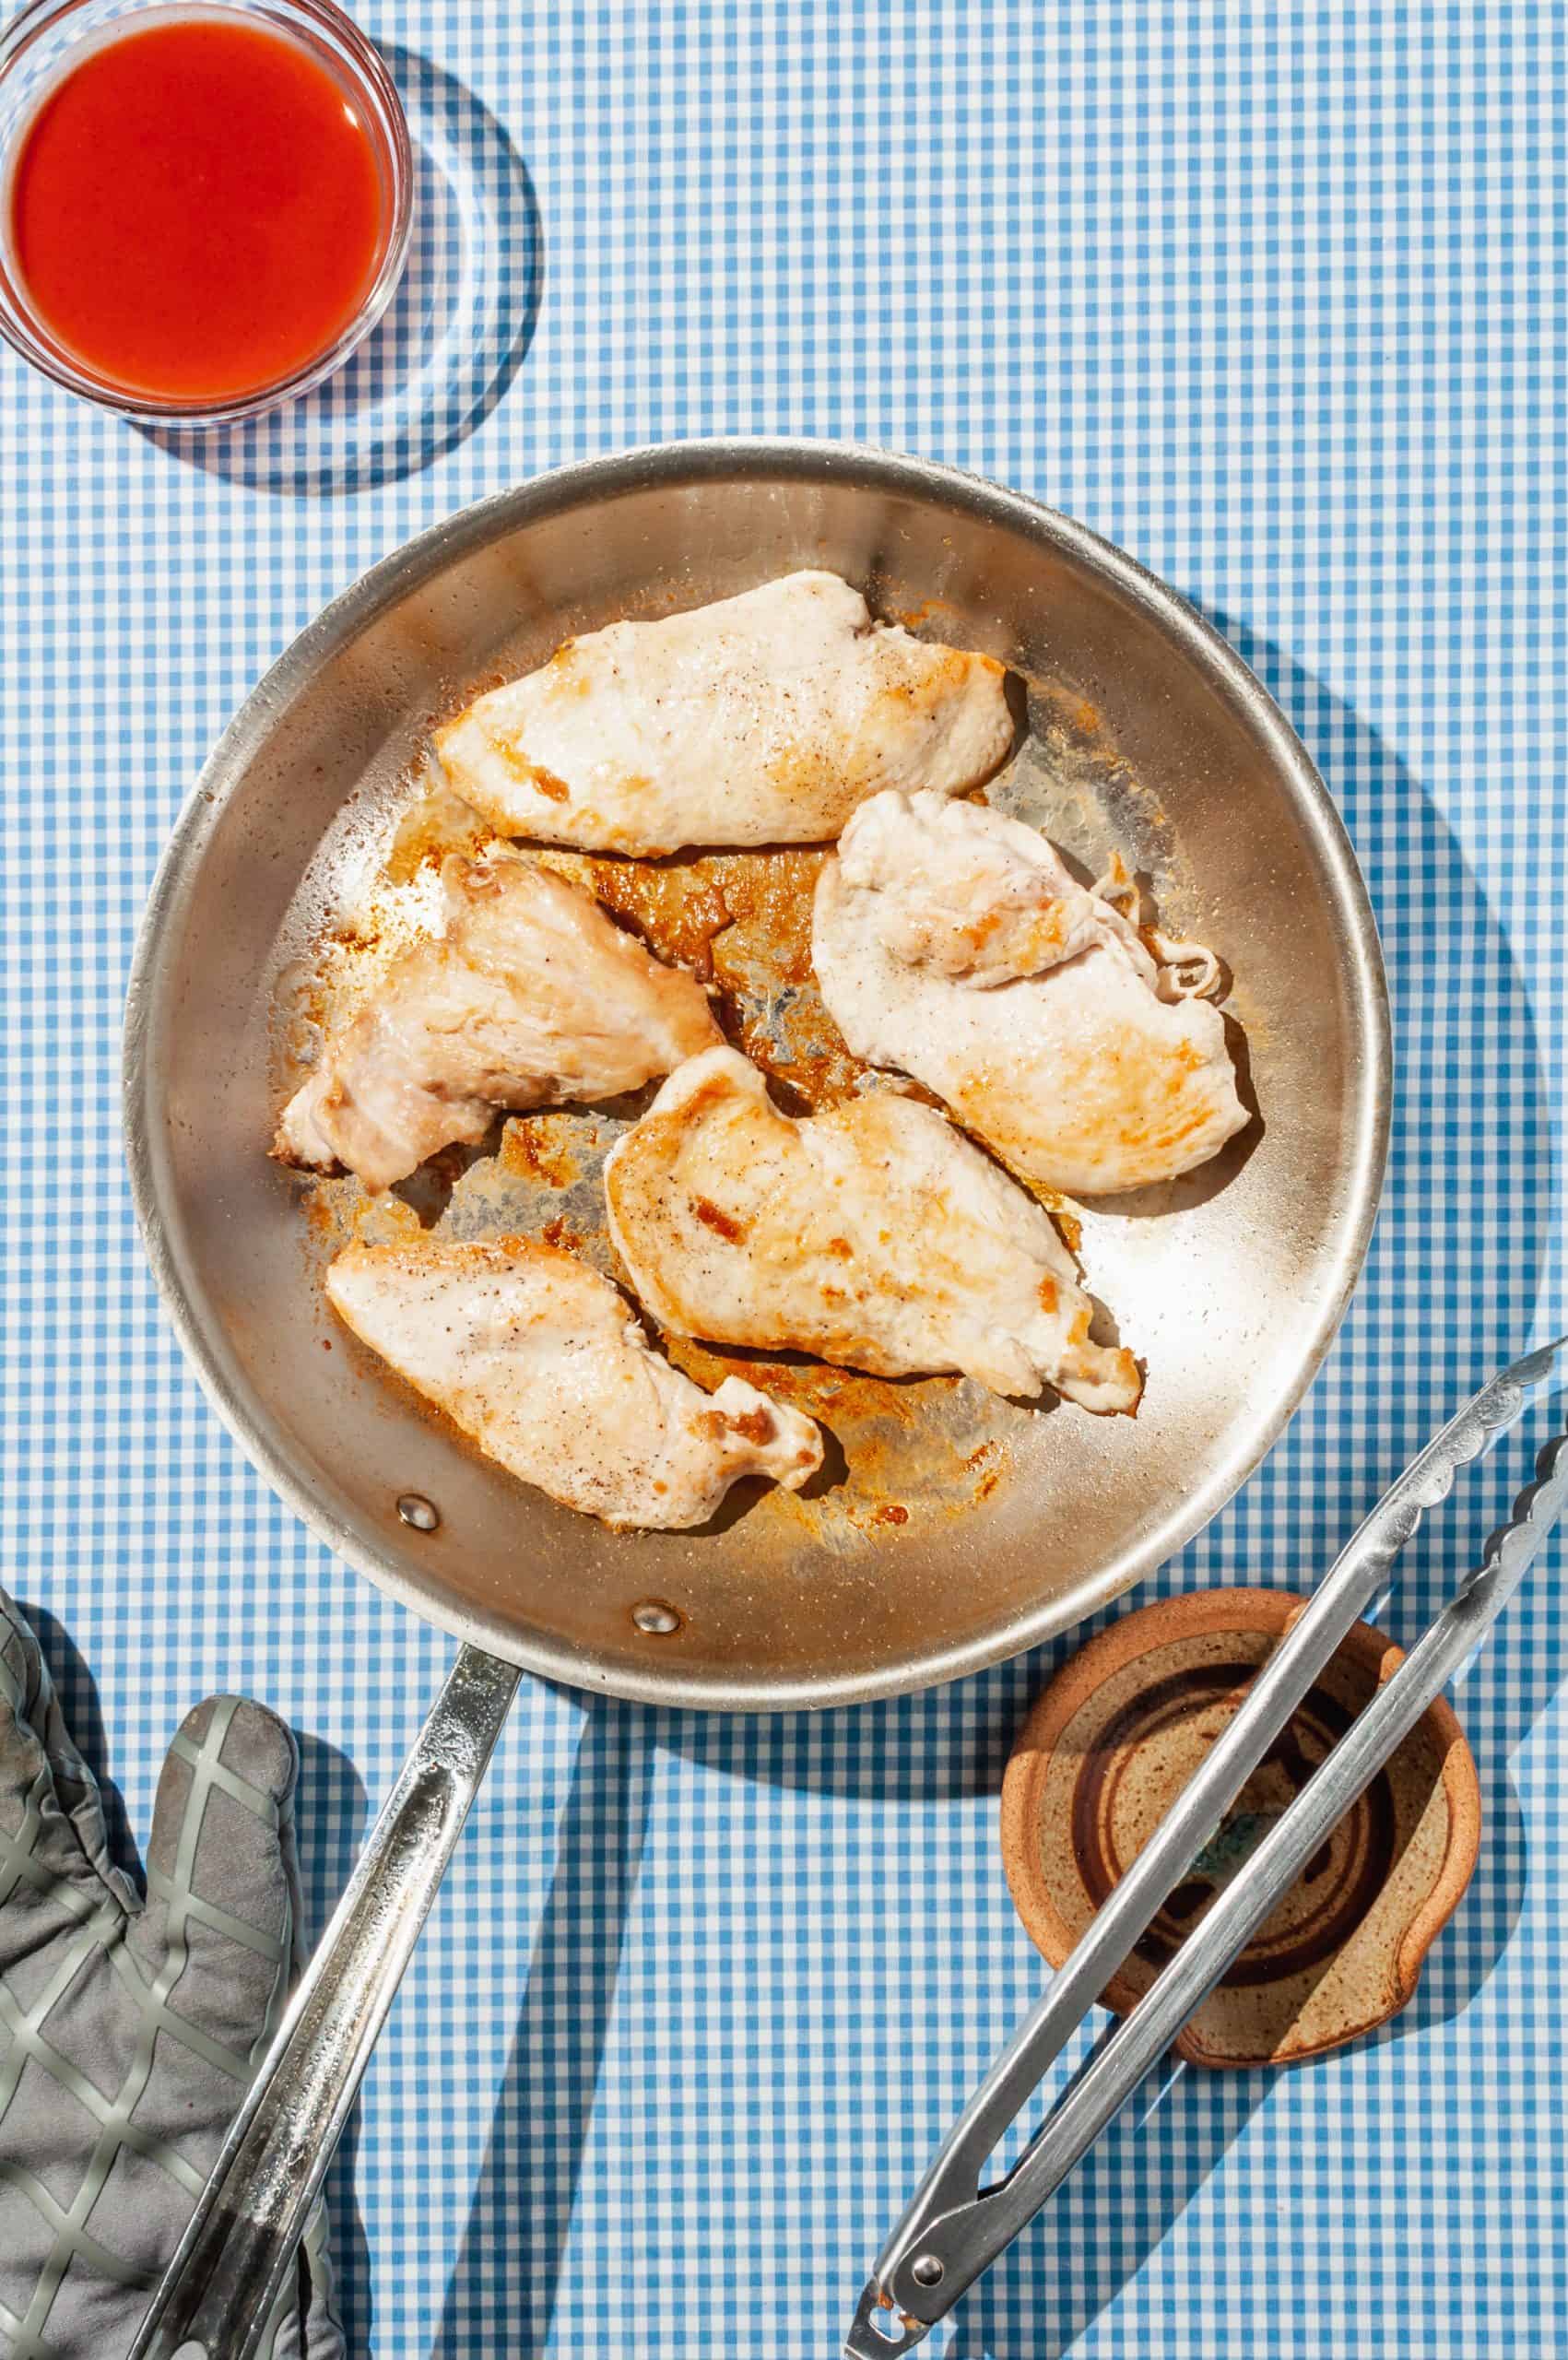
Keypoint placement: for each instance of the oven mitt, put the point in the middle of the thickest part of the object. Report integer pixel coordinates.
(128, 2034)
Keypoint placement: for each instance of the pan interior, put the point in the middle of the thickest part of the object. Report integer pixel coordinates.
(1143, 736)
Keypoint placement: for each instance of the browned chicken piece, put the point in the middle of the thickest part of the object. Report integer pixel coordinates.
(952, 942)
(541, 1361)
(874, 1234)
(531, 997)
(762, 719)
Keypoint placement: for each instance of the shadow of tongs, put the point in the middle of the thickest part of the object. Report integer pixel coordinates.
(954, 2228)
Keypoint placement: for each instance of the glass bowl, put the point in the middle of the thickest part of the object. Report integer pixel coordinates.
(40, 47)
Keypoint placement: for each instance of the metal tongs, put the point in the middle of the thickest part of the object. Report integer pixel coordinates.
(954, 2228)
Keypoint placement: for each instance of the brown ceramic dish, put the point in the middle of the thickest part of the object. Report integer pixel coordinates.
(1117, 1734)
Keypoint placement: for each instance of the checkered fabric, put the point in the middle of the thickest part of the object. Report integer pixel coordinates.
(1273, 297)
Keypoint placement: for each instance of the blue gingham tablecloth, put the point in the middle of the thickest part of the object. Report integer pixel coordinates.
(1273, 297)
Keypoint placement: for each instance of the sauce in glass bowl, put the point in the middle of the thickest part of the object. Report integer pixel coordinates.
(196, 209)
(204, 206)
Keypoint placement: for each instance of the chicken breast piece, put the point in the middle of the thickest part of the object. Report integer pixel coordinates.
(953, 943)
(531, 997)
(541, 1361)
(760, 720)
(874, 1234)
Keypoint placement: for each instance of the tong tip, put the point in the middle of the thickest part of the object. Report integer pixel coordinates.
(877, 2331)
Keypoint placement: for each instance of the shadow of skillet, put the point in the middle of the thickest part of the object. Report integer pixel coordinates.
(521, 2203)
(1461, 1248)
(1470, 1120)
(1154, 2158)
(947, 1743)
(329, 1816)
(451, 340)
(1462, 1017)
(1502, 1693)
(540, 2124)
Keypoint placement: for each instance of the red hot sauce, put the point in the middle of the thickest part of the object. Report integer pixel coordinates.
(198, 210)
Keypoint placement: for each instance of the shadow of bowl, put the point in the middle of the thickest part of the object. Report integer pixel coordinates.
(451, 340)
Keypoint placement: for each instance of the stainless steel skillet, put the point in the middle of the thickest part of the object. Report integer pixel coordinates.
(1145, 732)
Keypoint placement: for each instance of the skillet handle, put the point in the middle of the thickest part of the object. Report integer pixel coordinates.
(216, 2294)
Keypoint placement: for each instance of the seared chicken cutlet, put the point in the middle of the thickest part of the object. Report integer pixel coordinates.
(531, 997)
(764, 719)
(950, 942)
(874, 1234)
(541, 1361)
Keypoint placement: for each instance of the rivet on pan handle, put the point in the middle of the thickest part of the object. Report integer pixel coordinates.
(218, 2293)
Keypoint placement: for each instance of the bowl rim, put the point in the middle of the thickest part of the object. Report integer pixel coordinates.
(611, 475)
(359, 57)
(1245, 1610)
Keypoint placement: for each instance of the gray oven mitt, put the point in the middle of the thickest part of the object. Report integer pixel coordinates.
(128, 2034)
